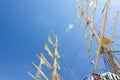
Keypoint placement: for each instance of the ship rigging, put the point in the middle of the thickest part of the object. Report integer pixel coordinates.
(112, 64)
(104, 43)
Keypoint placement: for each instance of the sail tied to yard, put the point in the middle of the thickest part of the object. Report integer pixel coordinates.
(104, 43)
(43, 61)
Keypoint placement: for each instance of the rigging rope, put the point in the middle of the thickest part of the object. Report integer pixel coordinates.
(79, 48)
(68, 67)
(98, 30)
(108, 67)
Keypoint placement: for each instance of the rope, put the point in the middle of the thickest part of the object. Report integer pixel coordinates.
(78, 49)
(68, 67)
(110, 33)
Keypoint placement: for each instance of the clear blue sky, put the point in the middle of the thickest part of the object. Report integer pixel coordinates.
(24, 28)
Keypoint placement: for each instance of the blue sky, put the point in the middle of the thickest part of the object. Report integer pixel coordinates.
(24, 28)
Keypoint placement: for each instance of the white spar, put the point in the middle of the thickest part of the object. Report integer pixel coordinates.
(38, 69)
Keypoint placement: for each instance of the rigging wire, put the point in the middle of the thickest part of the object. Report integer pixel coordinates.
(107, 25)
(107, 31)
(117, 37)
(67, 70)
(117, 55)
(118, 59)
(79, 48)
(71, 71)
(69, 64)
(100, 20)
(68, 67)
(76, 51)
(108, 66)
(98, 30)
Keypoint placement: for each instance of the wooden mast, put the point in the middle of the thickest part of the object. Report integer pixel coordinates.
(102, 40)
(55, 75)
(44, 61)
(109, 54)
(100, 44)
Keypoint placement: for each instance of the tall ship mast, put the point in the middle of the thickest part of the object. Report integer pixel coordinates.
(43, 61)
(104, 43)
